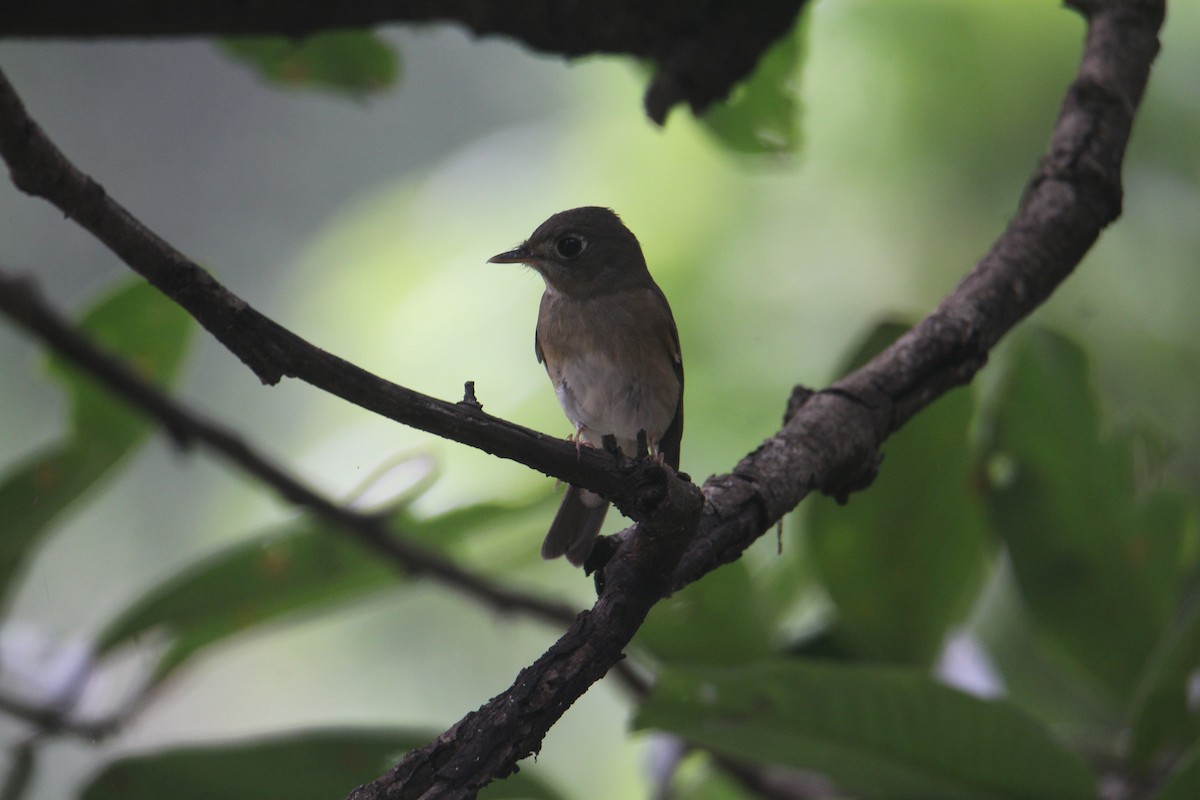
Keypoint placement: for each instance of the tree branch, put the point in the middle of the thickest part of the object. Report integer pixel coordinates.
(701, 50)
(831, 438)
(39, 168)
(23, 304)
(829, 442)
(486, 744)
(20, 301)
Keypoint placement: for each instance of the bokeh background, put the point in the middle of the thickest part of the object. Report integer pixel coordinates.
(364, 226)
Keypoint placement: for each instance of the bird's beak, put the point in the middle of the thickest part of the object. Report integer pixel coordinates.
(520, 255)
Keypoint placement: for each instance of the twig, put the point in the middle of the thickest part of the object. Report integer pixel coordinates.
(51, 720)
(20, 770)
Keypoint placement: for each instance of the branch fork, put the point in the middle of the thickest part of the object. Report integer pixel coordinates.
(830, 441)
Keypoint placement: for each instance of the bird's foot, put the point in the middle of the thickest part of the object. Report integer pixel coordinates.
(579, 441)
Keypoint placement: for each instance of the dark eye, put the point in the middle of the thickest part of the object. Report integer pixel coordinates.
(570, 246)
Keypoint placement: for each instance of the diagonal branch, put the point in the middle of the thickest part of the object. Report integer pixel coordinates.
(829, 441)
(23, 304)
(20, 301)
(701, 50)
(39, 168)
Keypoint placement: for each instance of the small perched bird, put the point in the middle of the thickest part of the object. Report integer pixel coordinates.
(607, 338)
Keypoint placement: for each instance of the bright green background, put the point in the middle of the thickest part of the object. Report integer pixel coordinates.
(364, 224)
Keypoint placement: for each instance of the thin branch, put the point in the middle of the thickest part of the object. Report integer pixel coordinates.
(829, 442)
(39, 168)
(20, 301)
(22, 761)
(701, 50)
(51, 720)
(778, 784)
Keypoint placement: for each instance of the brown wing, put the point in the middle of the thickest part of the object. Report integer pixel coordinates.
(671, 441)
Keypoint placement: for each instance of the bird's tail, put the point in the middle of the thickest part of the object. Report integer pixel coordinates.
(575, 526)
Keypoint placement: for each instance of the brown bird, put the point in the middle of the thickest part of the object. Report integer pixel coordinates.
(607, 338)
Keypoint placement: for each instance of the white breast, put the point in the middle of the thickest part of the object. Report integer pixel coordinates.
(600, 398)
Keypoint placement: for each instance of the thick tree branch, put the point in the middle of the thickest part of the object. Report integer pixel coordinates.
(23, 304)
(700, 50)
(829, 442)
(487, 743)
(831, 438)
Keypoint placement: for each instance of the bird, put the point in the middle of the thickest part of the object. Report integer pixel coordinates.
(608, 341)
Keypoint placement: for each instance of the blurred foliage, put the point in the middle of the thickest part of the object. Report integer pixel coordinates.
(301, 568)
(1066, 505)
(1184, 782)
(313, 765)
(304, 566)
(762, 115)
(879, 732)
(350, 62)
(1108, 576)
(904, 563)
(717, 608)
(138, 324)
(1046, 516)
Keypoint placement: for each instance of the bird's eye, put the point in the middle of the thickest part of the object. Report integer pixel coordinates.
(570, 246)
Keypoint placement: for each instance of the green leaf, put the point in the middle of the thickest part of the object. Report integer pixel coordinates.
(698, 778)
(491, 538)
(903, 560)
(353, 62)
(302, 567)
(141, 326)
(762, 114)
(466, 523)
(1183, 782)
(315, 764)
(716, 620)
(879, 732)
(1099, 569)
(1035, 677)
(1162, 719)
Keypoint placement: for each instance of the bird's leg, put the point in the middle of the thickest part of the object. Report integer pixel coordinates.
(651, 448)
(579, 441)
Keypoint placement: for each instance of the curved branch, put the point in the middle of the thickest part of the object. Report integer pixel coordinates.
(831, 438)
(701, 50)
(829, 441)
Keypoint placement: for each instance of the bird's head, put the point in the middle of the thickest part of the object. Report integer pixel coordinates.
(582, 252)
